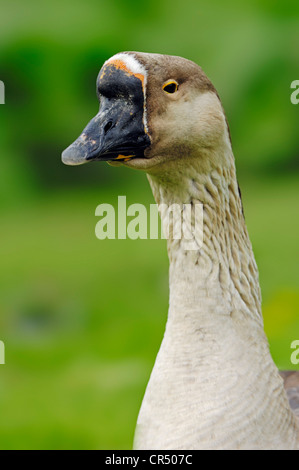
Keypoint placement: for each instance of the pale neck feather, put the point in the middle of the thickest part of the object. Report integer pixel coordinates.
(214, 384)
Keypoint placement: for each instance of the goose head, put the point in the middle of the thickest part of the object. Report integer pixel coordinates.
(154, 109)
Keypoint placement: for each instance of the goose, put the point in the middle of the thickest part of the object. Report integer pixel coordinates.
(214, 384)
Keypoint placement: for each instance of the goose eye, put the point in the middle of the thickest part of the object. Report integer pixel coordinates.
(171, 86)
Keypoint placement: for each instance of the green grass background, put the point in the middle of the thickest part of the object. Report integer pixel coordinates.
(82, 319)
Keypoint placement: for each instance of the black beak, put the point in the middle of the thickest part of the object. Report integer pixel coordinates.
(117, 132)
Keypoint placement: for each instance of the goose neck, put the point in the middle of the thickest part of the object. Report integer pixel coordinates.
(220, 266)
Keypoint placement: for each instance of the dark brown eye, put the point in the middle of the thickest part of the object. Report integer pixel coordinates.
(171, 86)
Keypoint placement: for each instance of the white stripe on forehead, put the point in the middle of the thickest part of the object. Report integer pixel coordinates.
(131, 62)
(134, 66)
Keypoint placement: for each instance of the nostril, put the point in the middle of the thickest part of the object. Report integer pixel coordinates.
(108, 126)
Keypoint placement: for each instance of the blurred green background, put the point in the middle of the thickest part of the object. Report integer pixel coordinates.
(82, 319)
